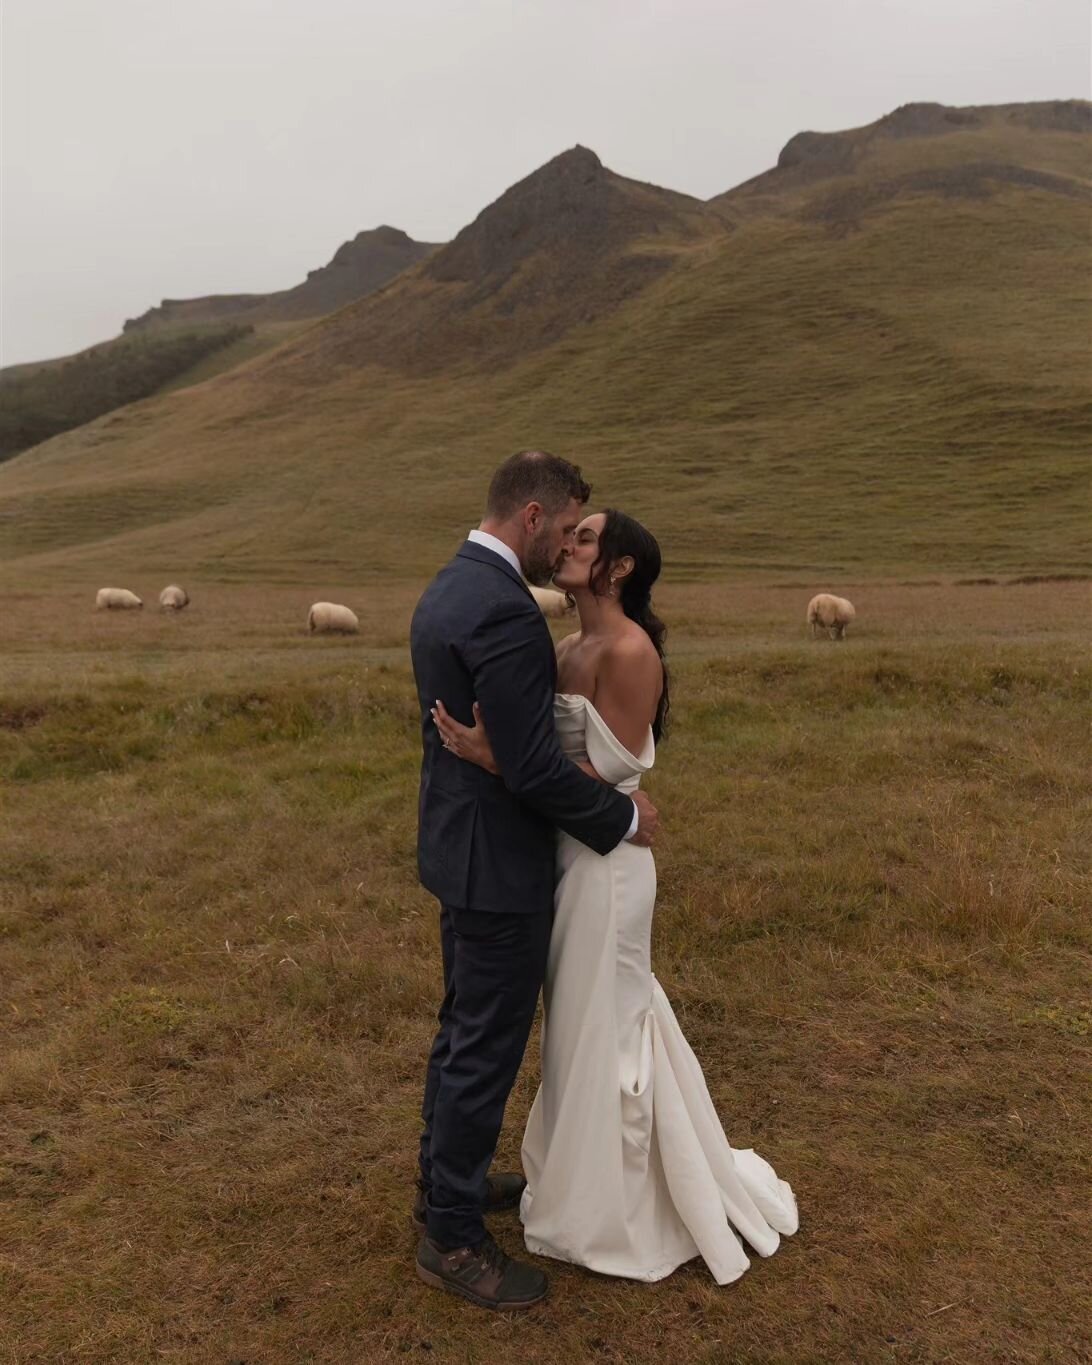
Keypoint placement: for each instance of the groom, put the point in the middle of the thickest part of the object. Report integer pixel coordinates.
(486, 850)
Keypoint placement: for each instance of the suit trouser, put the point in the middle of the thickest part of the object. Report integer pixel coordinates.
(494, 966)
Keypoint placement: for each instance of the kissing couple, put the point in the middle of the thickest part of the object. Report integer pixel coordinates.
(535, 839)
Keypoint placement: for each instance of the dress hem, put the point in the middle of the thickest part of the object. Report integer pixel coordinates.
(616, 1272)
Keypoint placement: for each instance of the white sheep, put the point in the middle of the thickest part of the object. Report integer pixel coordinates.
(116, 599)
(551, 602)
(830, 613)
(173, 598)
(329, 618)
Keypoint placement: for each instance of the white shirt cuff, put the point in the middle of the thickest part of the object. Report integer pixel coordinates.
(634, 823)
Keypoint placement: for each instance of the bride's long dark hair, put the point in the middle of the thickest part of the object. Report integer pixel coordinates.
(623, 535)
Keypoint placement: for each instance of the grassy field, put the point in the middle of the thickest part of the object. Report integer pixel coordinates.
(219, 975)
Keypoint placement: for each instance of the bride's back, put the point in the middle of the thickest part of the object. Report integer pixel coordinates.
(620, 672)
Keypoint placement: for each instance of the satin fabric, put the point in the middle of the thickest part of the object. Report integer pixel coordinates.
(629, 1171)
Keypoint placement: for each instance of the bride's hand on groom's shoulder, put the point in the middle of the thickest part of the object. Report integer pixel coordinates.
(464, 741)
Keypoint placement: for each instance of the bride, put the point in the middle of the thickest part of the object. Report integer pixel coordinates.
(628, 1170)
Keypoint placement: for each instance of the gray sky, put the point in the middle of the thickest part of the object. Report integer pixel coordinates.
(154, 148)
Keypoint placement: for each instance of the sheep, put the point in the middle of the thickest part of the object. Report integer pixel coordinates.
(329, 618)
(830, 613)
(173, 598)
(551, 602)
(116, 599)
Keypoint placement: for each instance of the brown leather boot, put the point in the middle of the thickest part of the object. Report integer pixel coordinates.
(483, 1274)
(502, 1191)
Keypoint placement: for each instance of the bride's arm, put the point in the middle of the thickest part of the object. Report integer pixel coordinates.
(471, 742)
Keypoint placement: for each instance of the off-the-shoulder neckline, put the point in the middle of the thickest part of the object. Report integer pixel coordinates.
(579, 696)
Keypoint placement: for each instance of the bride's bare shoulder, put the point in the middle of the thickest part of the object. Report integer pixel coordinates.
(628, 684)
(630, 663)
(564, 643)
(632, 647)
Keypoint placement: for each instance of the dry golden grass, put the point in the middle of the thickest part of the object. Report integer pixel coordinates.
(219, 975)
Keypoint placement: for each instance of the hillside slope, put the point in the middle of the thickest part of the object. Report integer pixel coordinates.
(771, 389)
(186, 341)
(40, 401)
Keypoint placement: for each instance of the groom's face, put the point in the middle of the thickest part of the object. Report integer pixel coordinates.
(550, 543)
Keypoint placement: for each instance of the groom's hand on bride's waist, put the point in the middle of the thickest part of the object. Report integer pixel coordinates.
(648, 821)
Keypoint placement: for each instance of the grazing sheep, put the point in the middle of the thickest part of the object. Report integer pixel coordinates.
(116, 599)
(551, 602)
(328, 618)
(173, 598)
(830, 613)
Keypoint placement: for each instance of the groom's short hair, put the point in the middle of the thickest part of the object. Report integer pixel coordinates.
(534, 476)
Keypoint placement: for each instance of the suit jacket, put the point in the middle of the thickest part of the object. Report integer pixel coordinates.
(487, 842)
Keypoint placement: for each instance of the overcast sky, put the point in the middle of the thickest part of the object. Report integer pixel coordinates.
(169, 148)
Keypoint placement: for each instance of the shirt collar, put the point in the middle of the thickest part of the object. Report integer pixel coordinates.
(497, 546)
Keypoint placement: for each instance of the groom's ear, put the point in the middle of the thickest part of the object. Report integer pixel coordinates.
(532, 517)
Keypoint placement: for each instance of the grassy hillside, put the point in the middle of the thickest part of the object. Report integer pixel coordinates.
(186, 341)
(785, 393)
(255, 341)
(923, 148)
(40, 401)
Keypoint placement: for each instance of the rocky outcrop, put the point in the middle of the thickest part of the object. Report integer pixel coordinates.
(358, 268)
(563, 246)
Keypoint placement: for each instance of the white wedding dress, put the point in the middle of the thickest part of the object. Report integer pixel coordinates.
(628, 1169)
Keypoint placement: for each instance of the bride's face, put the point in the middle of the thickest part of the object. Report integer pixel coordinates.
(576, 567)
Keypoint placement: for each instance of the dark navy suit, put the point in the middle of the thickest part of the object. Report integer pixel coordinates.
(486, 847)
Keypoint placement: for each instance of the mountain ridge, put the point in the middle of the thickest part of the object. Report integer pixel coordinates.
(902, 388)
(359, 266)
(957, 144)
(562, 246)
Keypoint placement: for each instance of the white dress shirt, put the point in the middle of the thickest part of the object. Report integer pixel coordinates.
(497, 546)
(509, 556)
